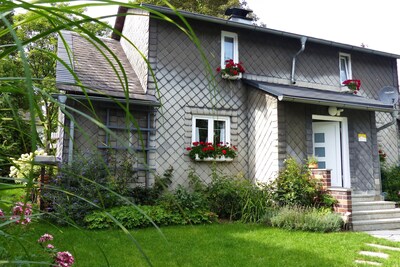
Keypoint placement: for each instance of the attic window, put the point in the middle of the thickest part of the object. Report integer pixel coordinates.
(229, 47)
(344, 67)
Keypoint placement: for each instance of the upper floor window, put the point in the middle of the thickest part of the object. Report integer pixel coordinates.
(344, 67)
(210, 129)
(229, 47)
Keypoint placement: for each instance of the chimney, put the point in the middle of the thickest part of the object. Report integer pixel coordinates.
(239, 15)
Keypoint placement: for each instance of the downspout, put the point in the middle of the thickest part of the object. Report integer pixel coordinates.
(71, 141)
(303, 46)
(394, 119)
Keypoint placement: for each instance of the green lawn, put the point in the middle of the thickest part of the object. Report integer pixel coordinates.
(208, 245)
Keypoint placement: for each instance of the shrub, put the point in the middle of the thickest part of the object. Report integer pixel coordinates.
(236, 198)
(134, 217)
(80, 186)
(306, 219)
(391, 182)
(294, 186)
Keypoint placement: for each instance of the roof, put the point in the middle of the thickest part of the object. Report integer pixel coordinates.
(94, 71)
(320, 97)
(119, 23)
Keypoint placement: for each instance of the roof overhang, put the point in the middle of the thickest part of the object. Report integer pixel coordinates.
(319, 97)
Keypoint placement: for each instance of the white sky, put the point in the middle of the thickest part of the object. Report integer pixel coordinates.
(374, 23)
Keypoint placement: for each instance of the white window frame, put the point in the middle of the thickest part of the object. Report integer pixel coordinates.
(235, 46)
(347, 58)
(211, 120)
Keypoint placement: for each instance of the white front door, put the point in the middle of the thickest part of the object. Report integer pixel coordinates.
(327, 149)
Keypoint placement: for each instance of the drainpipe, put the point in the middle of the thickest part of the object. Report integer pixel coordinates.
(303, 46)
(71, 141)
(394, 119)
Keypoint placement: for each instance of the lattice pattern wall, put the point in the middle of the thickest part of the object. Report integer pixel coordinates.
(263, 136)
(185, 90)
(126, 146)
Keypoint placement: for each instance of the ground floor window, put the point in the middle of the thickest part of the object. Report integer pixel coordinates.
(211, 129)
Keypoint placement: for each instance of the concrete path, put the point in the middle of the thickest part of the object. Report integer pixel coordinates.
(392, 235)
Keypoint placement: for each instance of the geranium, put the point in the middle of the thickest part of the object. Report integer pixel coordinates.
(2, 214)
(382, 156)
(210, 150)
(231, 68)
(353, 85)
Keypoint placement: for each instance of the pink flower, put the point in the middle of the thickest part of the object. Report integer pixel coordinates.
(45, 237)
(49, 246)
(64, 259)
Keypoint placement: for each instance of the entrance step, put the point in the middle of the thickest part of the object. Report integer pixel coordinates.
(375, 214)
(377, 224)
(365, 198)
(373, 205)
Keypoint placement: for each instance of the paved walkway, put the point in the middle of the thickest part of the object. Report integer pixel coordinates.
(393, 235)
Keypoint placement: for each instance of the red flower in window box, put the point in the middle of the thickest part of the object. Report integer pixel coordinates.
(353, 85)
(205, 150)
(232, 70)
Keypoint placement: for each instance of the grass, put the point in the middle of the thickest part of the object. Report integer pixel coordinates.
(9, 197)
(207, 245)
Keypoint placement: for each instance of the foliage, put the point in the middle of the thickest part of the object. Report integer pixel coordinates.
(149, 196)
(210, 150)
(79, 188)
(213, 8)
(60, 258)
(306, 219)
(294, 186)
(25, 166)
(382, 156)
(391, 182)
(143, 216)
(235, 198)
(231, 68)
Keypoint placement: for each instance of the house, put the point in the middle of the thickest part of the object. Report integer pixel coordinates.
(290, 102)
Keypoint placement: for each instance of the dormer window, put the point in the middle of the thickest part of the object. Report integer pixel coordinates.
(229, 47)
(344, 67)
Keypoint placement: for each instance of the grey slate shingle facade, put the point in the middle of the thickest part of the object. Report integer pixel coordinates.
(265, 128)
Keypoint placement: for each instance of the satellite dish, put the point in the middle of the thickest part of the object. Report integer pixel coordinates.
(388, 95)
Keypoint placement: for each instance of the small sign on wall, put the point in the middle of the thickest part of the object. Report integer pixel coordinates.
(362, 137)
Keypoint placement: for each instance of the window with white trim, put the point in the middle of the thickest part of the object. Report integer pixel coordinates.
(344, 67)
(229, 47)
(211, 129)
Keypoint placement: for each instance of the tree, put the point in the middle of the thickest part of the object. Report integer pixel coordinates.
(213, 8)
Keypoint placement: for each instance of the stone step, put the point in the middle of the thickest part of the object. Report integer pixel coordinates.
(364, 198)
(373, 205)
(378, 224)
(375, 214)
(371, 263)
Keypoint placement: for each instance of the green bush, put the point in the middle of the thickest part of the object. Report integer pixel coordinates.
(306, 219)
(138, 217)
(391, 182)
(294, 186)
(235, 198)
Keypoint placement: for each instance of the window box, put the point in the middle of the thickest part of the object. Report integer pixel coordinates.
(218, 159)
(229, 77)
